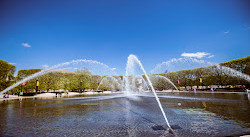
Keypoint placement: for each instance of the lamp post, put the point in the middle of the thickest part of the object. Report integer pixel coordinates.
(201, 82)
(37, 84)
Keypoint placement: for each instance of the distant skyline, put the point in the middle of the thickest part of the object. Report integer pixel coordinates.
(43, 33)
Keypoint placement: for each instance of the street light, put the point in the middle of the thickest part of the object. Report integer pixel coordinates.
(201, 82)
(37, 84)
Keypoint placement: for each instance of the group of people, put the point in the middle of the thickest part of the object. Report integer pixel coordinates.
(6, 96)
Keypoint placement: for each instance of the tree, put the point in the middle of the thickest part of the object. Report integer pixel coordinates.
(6, 74)
(31, 84)
(83, 71)
(27, 72)
(166, 71)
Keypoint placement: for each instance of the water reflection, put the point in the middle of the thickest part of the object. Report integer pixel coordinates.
(196, 115)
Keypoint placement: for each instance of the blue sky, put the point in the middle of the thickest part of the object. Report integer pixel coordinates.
(48, 32)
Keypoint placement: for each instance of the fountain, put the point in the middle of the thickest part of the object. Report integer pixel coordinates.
(162, 77)
(111, 78)
(233, 73)
(143, 81)
(186, 63)
(131, 76)
(43, 72)
(179, 64)
(132, 59)
(130, 69)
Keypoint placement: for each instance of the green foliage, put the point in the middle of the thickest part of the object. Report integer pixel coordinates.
(27, 72)
(211, 75)
(29, 85)
(242, 65)
(56, 80)
(83, 79)
(83, 71)
(109, 83)
(6, 74)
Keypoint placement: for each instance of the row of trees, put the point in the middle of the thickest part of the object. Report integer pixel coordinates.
(83, 79)
(222, 74)
(61, 79)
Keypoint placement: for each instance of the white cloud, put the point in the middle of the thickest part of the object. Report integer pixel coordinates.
(26, 45)
(12, 63)
(113, 69)
(45, 66)
(211, 56)
(226, 32)
(196, 55)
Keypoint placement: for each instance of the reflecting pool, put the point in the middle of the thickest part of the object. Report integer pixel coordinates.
(189, 114)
